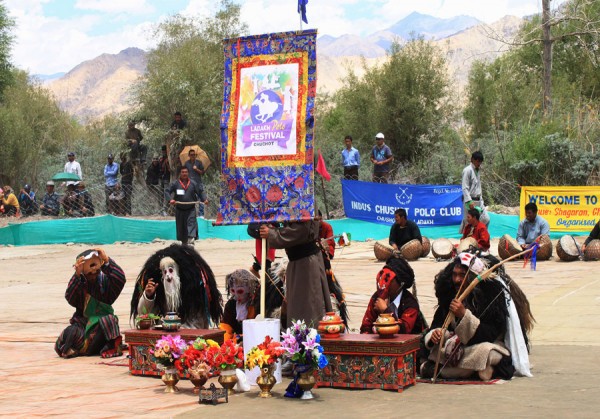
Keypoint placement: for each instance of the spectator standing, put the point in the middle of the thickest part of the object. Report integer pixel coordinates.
(134, 138)
(126, 170)
(196, 170)
(111, 172)
(27, 201)
(153, 179)
(350, 160)
(72, 166)
(51, 201)
(165, 177)
(471, 189)
(381, 156)
(184, 194)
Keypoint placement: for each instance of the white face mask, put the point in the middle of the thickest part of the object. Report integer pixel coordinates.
(172, 283)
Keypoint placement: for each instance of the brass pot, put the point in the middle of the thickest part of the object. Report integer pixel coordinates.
(306, 381)
(198, 381)
(144, 324)
(170, 378)
(228, 380)
(266, 381)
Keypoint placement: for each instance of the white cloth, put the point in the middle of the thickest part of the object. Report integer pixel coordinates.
(513, 339)
(241, 311)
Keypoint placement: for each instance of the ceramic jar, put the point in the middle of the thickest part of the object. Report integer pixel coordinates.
(386, 325)
(331, 326)
(171, 321)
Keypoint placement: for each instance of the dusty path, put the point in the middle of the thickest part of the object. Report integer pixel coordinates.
(34, 382)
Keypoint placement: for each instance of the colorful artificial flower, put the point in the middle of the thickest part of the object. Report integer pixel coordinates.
(168, 349)
(265, 353)
(302, 343)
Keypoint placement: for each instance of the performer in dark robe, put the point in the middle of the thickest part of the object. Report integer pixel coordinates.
(92, 290)
(307, 293)
(186, 190)
(177, 279)
(392, 296)
(493, 318)
(244, 288)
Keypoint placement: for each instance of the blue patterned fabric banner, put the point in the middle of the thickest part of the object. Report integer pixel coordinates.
(267, 128)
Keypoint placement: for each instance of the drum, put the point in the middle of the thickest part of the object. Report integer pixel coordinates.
(426, 246)
(592, 251)
(382, 251)
(545, 250)
(567, 248)
(508, 246)
(466, 244)
(412, 250)
(442, 249)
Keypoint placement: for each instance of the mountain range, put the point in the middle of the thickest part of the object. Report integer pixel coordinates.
(101, 86)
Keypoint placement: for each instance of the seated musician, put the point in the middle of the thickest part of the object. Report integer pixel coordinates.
(403, 230)
(488, 336)
(392, 296)
(477, 229)
(532, 227)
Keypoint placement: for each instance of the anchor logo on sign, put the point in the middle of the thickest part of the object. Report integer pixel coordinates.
(403, 198)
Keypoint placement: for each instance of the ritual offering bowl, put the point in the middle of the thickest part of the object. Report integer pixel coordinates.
(386, 325)
(331, 326)
(171, 321)
(144, 324)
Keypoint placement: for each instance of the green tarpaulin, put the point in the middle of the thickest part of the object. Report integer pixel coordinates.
(108, 229)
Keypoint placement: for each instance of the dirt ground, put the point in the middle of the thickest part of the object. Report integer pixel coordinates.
(565, 298)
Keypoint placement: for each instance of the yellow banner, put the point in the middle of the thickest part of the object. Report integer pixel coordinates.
(566, 208)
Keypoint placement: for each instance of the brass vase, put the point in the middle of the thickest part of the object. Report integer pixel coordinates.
(266, 381)
(170, 378)
(198, 381)
(228, 380)
(306, 381)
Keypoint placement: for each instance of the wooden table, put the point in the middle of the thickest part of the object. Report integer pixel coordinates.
(141, 362)
(368, 361)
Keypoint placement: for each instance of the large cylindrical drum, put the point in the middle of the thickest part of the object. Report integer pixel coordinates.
(466, 244)
(442, 249)
(592, 251)
(426, 246)
(508, 246)
(412, 250)
(567, 248)
(545, 250)
(382, 251)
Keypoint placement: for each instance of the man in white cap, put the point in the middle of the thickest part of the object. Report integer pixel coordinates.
(381, 156)
(51, 201)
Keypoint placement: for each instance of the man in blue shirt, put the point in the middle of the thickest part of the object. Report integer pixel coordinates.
(381, 156)
(350, 160)
(531, 227)
(111, 171)
(51, 201)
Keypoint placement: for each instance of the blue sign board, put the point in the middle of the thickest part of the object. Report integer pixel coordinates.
(426, 205)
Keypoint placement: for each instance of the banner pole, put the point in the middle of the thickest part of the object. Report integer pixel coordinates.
(263, 268)
(325, 197)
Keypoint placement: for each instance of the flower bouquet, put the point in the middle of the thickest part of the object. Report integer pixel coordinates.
(195, 363)
(167, 352)
(226, 358)
(302, 345)
(264, 356)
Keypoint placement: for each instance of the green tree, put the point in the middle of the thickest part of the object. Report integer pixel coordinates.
(185, 73)
(6, 38)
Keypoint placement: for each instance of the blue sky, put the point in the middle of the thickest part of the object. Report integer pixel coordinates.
(55, 35)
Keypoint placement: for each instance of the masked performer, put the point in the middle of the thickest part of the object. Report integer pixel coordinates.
(307, 293)
(489, 335)
(392, 296)
(92, 290)
(243, 287)
(177, 279)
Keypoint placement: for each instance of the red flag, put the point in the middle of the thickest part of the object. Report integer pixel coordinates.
(321, 169)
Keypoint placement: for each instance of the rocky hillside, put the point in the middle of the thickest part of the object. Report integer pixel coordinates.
(101, 86)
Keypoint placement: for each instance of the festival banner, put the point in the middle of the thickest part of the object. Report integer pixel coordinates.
(566, 208)
(426, 205)
(267, 128)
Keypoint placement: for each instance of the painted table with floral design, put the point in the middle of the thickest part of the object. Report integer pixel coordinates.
(141, 362)
(368, 361)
